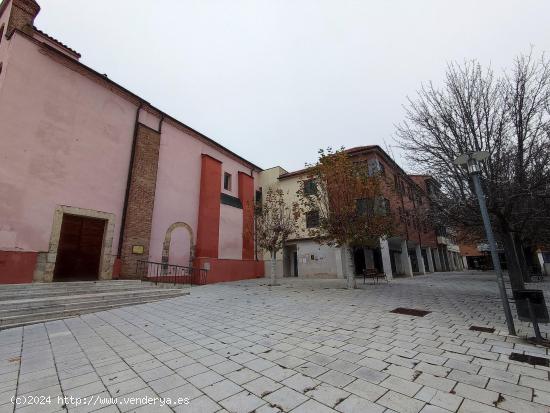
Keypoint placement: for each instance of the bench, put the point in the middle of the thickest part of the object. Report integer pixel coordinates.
(374, 274)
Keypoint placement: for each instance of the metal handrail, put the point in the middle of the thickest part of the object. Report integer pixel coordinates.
(159, 272)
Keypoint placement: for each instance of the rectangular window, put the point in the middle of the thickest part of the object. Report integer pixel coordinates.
(258, 200)
(361, 206)
(382, 206)
(310, 188)
(375, 167)
(312, 219)
(386, 206)
(259, 195)
(227, 181)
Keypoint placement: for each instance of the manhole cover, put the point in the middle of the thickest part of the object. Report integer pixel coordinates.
(410, 311)
(534, 360)
(482, 329)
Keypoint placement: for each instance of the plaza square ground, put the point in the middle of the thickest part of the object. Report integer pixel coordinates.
(303, 346)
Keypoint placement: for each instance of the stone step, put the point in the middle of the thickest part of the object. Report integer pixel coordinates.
(41, 317)
(79, 307)
(67, 284)
(53, 292)
(35, 303)
(28, 304)
(76, 282)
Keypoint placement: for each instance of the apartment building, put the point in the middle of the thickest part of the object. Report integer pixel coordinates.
(415, 247)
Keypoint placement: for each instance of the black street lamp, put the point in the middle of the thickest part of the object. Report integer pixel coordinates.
(471, 162)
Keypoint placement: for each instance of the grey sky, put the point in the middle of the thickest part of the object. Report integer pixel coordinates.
(275, 80)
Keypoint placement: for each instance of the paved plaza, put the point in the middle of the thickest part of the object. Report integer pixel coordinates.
(304, 346)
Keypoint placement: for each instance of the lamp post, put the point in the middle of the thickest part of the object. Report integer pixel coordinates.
(471, 162)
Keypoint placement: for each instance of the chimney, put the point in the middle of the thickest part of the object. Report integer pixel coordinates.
(22, 15)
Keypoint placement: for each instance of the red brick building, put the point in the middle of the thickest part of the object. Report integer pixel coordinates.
(414, 247)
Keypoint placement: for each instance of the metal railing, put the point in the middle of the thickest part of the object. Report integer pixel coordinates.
(159, 272)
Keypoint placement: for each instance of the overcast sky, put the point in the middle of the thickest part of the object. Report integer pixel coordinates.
(275, 80)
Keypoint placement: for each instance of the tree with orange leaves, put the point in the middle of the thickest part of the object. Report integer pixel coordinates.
(345, 200)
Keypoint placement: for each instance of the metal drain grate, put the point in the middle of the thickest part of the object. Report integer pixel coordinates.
(482, 329)
(534, 360)
(410, 311)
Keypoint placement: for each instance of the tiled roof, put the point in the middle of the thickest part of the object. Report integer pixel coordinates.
(63, 45)
(350, 151)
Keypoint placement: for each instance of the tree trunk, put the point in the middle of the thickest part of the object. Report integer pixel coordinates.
(522, 260)
(349, 267)
(273, 268)
(514, 270)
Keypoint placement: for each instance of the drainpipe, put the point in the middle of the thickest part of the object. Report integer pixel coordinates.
(160, 123)
(128, 182)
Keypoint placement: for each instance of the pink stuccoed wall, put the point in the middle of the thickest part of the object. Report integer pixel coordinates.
(65, 140)
(180, 245)
(178, 189)
(231, 240)
(4, 44)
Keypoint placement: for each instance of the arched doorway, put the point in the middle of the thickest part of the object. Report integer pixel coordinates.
(178, 247)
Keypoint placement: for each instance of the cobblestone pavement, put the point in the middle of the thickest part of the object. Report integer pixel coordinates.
(304, 346)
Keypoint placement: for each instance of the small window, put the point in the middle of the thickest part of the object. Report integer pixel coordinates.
(376, 167)
(310, 188)
(365, 206)
(258, 200)
(1, 33)
(259, 195)
(385, 206)
(361, 206)
(312, 219)
(227, 181)
(382, 206)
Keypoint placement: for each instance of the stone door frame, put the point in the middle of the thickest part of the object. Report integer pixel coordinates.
(45, 274)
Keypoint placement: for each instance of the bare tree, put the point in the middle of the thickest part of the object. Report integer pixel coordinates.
(275, 222)
(345, 200)
(507, 116)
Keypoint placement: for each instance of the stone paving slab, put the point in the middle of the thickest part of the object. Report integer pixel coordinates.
(304, 346)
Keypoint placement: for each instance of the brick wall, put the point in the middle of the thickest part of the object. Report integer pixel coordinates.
(246, 195)
(401, 203)
(141, 199)
(22, 16)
